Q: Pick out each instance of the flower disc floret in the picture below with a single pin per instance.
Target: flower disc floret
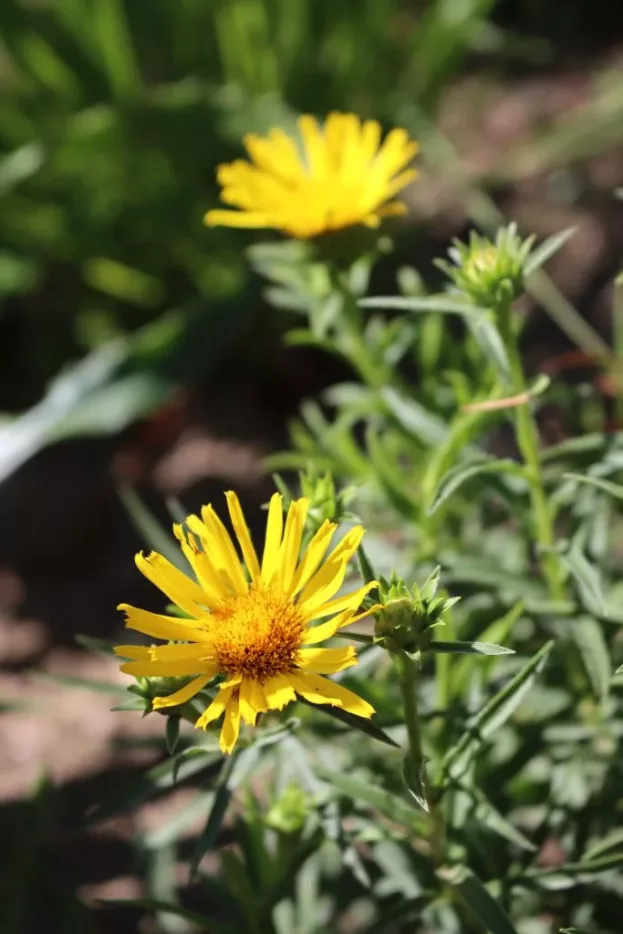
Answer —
(252, 622)
(342, 176)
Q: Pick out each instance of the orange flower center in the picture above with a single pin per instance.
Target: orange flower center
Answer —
(257, 635)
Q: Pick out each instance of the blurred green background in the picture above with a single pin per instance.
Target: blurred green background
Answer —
(126, 325)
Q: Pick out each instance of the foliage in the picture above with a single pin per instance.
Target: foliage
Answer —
(491, 664)
(484, 793)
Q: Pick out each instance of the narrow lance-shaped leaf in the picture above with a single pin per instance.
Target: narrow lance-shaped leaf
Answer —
(478, 899)
(349, 719)
(490, 342)
(587, 579)
(589, 637)
(612, 841)
(495, 713)
(458, 475)
(469, 648)
(538, 257)
(414, 418)
(414, 774)
(606, 486)
(392, 806)
(443, 303)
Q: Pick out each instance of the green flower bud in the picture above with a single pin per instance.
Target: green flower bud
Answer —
(289, 813)
(406, 617)
(489, 272)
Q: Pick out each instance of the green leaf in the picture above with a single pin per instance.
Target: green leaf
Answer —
(469, 648)
(491, 343)
(538, 257)
(566, 876)
(612, 841)
(154, 534)
(112, 29)
(500, 630)
(459, 474)
(485, 813)
(148, 785)
(588, 635)
(587, 579)
(236, 769)
(572, 448)
(414, 418)
(414, 775)
(100, 646)
(172, 733)
(97, 687)
(442, 303)
(349, 719)
(365, 567)
(133, 703)
(393, 807)
(606, 486)
(478, 899)
(180, 823)
(495, 713)
(390, 479)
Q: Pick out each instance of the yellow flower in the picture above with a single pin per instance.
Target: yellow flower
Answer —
(344, 177)
(254, 627)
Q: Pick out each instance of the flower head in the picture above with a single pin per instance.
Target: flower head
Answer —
(253, 627)
(344, 176)
(489, 271)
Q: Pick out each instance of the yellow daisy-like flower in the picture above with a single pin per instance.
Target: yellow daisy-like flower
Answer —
(255, 627)
(345, 176)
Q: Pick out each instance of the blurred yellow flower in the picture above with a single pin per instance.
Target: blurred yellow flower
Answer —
(344, 177)
(254, 628)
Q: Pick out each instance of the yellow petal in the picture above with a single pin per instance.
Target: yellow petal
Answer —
(180, 652)
(345, 549)
(314, 553)
(179, 588)
(221, 551)
(274, 528)
(252, 700)
(401, 181)
(184, 694)
(218, 705)
(347, 601)
(393, 209)
(249, 219)
(278, 691)
(315, 146)
(231, 725)
(326, 661)
(331, 576)
(170, 669)
(318, 690)
(324, 631)
(164, 627)
(213, 586)
(136, 652)
(276, 154)
(291, 545)
(242, 533)
(323, 585)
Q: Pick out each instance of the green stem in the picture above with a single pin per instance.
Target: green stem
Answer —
(407, 674)
(527, 437)
(408, 686)
(372, 370)
(617, 328)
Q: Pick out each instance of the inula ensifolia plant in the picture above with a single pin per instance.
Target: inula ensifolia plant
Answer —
(452, 763)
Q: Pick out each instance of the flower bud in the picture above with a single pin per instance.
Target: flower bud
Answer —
(406, 618)
(489, 272)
